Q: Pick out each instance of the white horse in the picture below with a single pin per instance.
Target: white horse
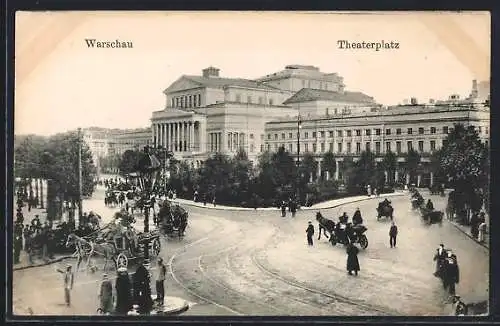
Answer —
(107, 250)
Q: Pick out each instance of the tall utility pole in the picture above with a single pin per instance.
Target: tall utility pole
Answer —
(299, 125)
(80, 181)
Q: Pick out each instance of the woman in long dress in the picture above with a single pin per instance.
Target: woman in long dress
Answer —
(352, 259)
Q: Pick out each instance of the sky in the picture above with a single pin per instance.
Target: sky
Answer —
(61, 84)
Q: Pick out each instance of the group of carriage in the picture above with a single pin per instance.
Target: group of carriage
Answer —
(428, 213)
(118, 242)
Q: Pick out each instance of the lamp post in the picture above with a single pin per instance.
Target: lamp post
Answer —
(148, 168)
(299, 126)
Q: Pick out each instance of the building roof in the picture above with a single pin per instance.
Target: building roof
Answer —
(218, 82)
(310, 94)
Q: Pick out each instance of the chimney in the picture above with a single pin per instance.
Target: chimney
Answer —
(210, 72)
(413, 101)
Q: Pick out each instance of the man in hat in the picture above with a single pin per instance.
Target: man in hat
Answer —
(160, 281)
(439, 257)
(123, 288)
(310, 233)
(393, 233)
(106, 294)
(68, 283)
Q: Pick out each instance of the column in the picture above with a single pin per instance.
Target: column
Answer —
(188, 134)
(155, 136)
(319, 170)
(337, 168)
(172, 136)
(181, 136)
(432, 179)
(161, 134)
(220, 142)
(407, 178)
(386, 175)
(396, 175)
(230, 141)
(419, 178)
(166, 137)
(176, 136)
(191, 137)
(327, 175)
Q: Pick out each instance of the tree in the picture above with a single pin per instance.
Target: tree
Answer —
(362, 173)
(412, 163)
(389, 164)
(129, 162)
(329, 164)
(464, 161)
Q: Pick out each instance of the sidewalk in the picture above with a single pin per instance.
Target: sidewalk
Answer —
(324, 205)
(466, 230)
(37, 262)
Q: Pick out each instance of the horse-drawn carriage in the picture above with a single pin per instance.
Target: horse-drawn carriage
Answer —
(172, 218)
(343, 233)
(118, 242)
(385, 209)
(431, 216)
(417, 200)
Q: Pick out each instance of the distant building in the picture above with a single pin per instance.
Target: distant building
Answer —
(129, 139)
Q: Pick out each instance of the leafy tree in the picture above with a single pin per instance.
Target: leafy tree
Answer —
(412, 163)
(389, 164)
(329, 164)
(308, 167)
(129, 162)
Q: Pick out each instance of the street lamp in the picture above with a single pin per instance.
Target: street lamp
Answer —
(299, 126)
(147, 171)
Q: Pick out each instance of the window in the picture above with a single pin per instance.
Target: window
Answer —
(182, 101)
(420, 131)
(420, 145)
(306, 147)
(290, 135)
(271, 101)
(349, 133)
(358, 148)
(275, 147)
(445, 142)
(398, 131)
(480, 129)
(377, 147)
(330, 134)
(331, 147)
(283, 136)
(290, 148)
(199, 99)
(173, 102)
(190, 100)
(387, 146)
(486, 143)
(445, 130)
(306, 135)
(261, 148)
(388, 131)
(314, 148)
(339, 133)
(268, 136)
(268, 147)
(251, 136)
(358, 132)
(322, 134)
(339, 147)
(238, 98)
(410, 131)
(348, 148)
(486, 130)
(433, 130)
(283, 145)
(433, 145)
(275, 136)
(314, 134)
(377, 132)
(398, 147)
(251, 148)
(249, 99)
(261, 100)
(322, 147)
(368, 132)
(367, 146)
(409, 145)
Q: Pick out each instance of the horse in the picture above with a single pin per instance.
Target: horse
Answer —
(107, 250)
(172, 217)
(324, 225)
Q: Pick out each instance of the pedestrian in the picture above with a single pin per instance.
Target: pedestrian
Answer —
(439, 258)
(375, 192)
(451, 273)
(369, 190)
(310, 233)
(352, 259)
(142, 289)
(293, 207)
(106, 295)
(123, 288)
(160, 281)
(18, 244)
(283, 209)
(393, 233)
(213, 201)
(68, 283)
(482, 231)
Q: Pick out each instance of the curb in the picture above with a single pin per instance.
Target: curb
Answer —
(236, 209)
(42, 264)
(180, 308)
(468, 235)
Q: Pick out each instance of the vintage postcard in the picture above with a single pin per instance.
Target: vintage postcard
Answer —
(251, 163)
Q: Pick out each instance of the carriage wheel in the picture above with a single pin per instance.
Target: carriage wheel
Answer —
(363, 241)
(122, 260)
(156, 247)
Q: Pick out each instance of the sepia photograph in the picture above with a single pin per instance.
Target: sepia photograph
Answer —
(191, 163)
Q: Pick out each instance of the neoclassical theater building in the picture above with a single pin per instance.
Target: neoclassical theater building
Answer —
(208, 114)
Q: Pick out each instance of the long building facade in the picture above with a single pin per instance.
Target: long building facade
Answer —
(209, 114)
(422, 128)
